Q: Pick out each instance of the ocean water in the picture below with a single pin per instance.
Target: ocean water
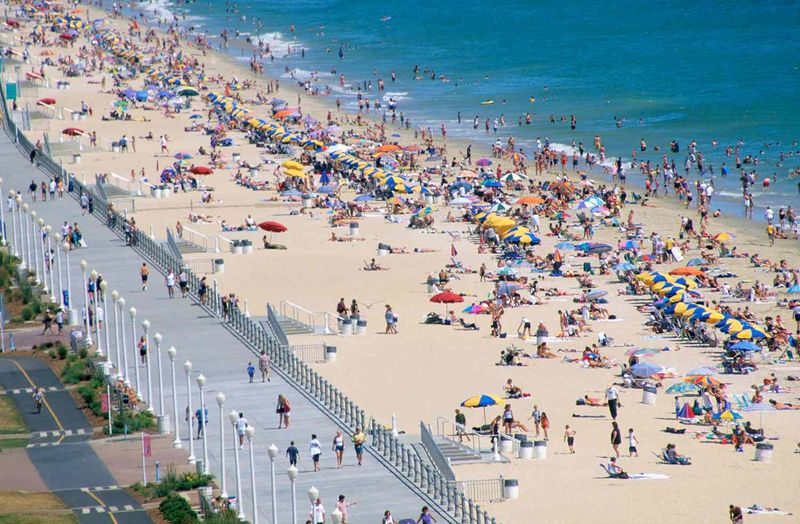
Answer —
(705, 71)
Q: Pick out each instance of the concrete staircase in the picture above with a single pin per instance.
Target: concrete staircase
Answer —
(113, 191)
(186, 247)
(293, 327)
(457, 453)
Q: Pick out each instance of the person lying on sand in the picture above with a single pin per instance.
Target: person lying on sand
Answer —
(335, 238)
(782, 405)
(590, 401)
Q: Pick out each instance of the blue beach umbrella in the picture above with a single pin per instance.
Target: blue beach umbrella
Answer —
(746, 345)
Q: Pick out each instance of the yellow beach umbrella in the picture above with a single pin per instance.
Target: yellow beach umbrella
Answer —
(292, 164)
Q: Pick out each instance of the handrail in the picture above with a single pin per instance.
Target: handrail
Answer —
(133, 187)
(438, 458)
(293, 311)
(447, 500)
(448, 429)
(277, 330)
(173, 246)
(194, 237)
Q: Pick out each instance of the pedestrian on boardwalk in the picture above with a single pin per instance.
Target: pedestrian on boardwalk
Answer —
(338, 448)
(142, 346)
(616, 438)
(251, 371)
(60, 320)
(202, 291)
(284, 411)
(359, 439)
(388, 518)
(292, 453)
(315, 450)
(183, 282)
(342, 506)
(144, 272)
(263, 365)
(425, 517)
(170, 281)
(569, 438)
(202, 419)
(241, 426)
(317, 512)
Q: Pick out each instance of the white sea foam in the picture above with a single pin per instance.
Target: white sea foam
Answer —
(397, 95)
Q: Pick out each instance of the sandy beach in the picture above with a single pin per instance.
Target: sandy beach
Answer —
(426, 370)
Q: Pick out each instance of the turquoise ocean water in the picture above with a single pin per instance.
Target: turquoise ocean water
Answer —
(704, 71)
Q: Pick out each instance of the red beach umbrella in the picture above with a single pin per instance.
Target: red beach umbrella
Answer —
(446, 297)
(272, 227)
(46, 101)
(201, 170)
(73, 131)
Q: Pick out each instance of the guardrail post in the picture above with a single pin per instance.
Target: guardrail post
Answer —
(436, 492)
(362, 418)
(477, 514)
(431, 483)
(403, 460)
(392, 449)
(471, 512)
(373, 431)
(444, 494)
(417, 471)
(463, 506)
(398, 455)
(451, 502)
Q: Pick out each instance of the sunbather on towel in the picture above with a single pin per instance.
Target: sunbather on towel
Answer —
(782, 405)
(594, 401)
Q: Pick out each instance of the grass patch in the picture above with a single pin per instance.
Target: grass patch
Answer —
(39, 518)
(12, 443)
(10, 418)
(23, 502)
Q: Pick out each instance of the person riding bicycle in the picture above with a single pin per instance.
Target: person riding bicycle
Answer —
(38, 399)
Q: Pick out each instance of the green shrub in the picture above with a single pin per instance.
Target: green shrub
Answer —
(62, 352)
(27, 313)
(52, 354)
(76, 370)
(83, 353)
(26, 292)
(176, 510)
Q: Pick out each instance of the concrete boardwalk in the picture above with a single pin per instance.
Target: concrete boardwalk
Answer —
(223, 360)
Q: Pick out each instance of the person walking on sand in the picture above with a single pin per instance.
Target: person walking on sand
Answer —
(391, 321)
(632, 443)
(735, 514)
(536, 415)
(263, 366)
(545, 425)
(612, 397)
(616, 438)
(569, 438)
(338, 448)
(144, 272)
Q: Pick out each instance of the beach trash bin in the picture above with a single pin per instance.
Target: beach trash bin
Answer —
(236, 157)
(219, 265)
(763, 452)
(330, 353)
(339, 321)
(157, 193)
(166, 191)
(649, 394)
(522, 437)
(236, 247)
(253, 171)
(429, 199)
(114, 145)
(347, 327)
(76, 116)
(510, 489)
(542, 336)
(540, 449)
(198, 467)
(353, 229)
(361, 327)
(306, 200)
(164, 426)
(247, 246)
(506, 445)
(525, 450)
(76, 158)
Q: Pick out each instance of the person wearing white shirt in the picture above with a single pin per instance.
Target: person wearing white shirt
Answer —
(315, 450)
(241, 425)
(317, 512)
(612, 397)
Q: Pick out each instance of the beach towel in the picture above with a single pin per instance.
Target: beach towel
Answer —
(757, 509)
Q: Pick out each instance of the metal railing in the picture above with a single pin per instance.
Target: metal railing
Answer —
(132, 187)
(202, 266)
(483, 490)
(173, 246)
(481, 444)
(309, 352)
(445, 498)
(275, 326)
(194, 237)
(321, 322)
(437, 457)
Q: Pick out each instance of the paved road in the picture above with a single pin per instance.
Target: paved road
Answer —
(223, 359)
(60, 448)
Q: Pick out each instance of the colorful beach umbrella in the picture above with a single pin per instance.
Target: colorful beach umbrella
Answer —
(682, 388)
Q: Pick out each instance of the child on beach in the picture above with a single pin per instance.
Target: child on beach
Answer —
(632, 442)
(569, 438)
(251, 371)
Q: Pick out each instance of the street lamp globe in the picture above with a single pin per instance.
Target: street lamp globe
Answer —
(157, 337)
(292, 473)
(233, 416)
(313, 494)
(94, 274)
(272, 451)
(250, 431)
(103, 285)
(84, 264)
(172, 353)
(132, 312)
(201, 380)
(220, 399)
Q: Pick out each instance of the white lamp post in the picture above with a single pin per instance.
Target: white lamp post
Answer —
(93, 276)
(157, 338)
(23, 252)
(13, 195)
(2, 214)
(336, 516)
(49, 265)
(313, 494)
(34, 258)
(70, 300)
(187, 367)
(58, 269)
(146, 328)
(121, 310)
(221, 404)
(86, 304)
(272, 451)
(176, 442)
(117, 354)
(251, 432)
(292, 473)
(132, 314)
(203, 418)
(234, 418)
(106, 319)
(40, 242)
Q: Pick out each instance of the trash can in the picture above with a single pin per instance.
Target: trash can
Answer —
(198, 466)
(542, 336)
(330, 353)
(236, 157)
(763, 452)
(166, 191)
(306, 199)
(339, 321)
(164, 427)
(432, 281)
(72, 317)
(540, 449)
(429, 199)
(76, 116)
(510, 489)
(219, 265)
(649, 394)
(525, 450)
(353, 229)
(253, 171)
(506, 445)
(114, 145)
(76, 158)
(361, 327)
(157, 193)
(236, 247)
(247, 246)
(347, 327)
(522, 437)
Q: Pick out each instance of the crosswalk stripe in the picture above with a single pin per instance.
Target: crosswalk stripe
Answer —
(81, 431)
(112, 509)
(43, 434)
(128, 507)
(85, 511)
(15, 391)
(68, 432)
(52, 388)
